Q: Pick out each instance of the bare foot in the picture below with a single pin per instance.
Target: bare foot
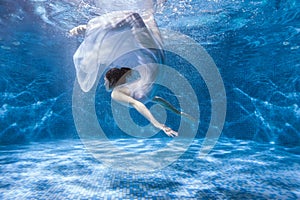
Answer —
(77, 30)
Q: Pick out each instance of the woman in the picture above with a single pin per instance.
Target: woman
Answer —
(123, 39)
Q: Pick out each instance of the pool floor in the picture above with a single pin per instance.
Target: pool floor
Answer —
(235, 169)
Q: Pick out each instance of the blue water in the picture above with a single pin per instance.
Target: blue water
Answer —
(235, 169)
(256, 47)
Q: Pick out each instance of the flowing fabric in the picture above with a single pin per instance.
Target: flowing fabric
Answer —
(139, 6)
(120, 39)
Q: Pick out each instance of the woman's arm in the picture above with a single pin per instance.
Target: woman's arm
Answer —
(121, 95)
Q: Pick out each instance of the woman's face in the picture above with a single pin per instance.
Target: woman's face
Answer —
(106, 84)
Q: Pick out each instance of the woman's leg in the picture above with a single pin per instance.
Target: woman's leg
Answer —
(170, 107)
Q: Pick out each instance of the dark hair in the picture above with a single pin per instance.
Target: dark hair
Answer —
(117, 76)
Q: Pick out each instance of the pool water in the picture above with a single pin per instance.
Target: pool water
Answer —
(255, 45)
(235, 169)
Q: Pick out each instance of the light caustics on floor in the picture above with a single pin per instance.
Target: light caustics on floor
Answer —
(233, 170)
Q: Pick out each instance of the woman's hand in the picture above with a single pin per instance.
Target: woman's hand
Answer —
(169, 131)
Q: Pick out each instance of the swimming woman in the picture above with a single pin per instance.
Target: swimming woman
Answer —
(132, 83)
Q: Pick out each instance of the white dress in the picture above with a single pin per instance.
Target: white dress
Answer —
(120, 39)
(139, 6)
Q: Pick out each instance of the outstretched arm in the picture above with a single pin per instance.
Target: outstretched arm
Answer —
(121, 95)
